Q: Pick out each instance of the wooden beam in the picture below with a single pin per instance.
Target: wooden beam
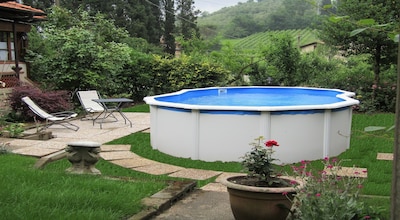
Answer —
(7, 26)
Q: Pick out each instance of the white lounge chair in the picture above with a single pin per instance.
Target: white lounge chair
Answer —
(91, 107)
(59, 118)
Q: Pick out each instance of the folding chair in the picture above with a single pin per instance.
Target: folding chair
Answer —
(91, 107)
(59, 118)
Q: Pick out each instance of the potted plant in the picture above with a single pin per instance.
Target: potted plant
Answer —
(262, 193)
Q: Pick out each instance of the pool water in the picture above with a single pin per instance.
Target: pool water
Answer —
(256, 97)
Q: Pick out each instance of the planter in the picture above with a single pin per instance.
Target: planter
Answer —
(5, 134)
(43, 135)
(266, 203)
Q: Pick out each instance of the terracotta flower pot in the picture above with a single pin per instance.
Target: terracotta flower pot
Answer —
(266, 203)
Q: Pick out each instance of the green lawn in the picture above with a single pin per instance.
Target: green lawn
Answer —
(51, 193)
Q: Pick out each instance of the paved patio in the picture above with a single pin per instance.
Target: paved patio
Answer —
(117, 154)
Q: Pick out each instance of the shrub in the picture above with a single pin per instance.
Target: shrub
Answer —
(50, 101)
(329, 195)
(171, 75)
(14, 129)
(375, 98)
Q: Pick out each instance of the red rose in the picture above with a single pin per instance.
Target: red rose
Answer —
(271, 143)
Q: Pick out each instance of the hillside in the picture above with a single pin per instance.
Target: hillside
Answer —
(245, 19)
(221, 21)
(255, 41)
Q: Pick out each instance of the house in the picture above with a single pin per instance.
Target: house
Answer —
(310, 47)
(15, 23)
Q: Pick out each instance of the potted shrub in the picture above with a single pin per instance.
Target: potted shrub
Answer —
(262, 193)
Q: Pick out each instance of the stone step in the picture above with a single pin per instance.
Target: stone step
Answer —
(384, 156)
(347, 171)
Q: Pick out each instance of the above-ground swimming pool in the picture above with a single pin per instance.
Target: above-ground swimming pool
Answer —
(217, 124)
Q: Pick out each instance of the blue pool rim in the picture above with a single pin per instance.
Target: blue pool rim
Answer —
(343, 96)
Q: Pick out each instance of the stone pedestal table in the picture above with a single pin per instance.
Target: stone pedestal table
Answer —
(83, 156)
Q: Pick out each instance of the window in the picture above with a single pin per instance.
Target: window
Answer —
(7, 51)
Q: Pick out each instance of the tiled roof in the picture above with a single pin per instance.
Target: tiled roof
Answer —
(14, 10)
(18, 6)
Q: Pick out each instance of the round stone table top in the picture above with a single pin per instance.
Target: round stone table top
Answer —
(90, 144)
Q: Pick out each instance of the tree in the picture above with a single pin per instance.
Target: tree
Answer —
(187, 19)
(82, 51)
(282, 59)
(42, 4)
(293, 14)
(141, 18)
(336, 31)
(153, 23)
(169, 26)
(243, 25)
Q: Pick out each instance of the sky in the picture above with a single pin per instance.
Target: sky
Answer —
(214, 5)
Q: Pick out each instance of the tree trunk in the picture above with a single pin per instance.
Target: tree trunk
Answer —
(395, 197)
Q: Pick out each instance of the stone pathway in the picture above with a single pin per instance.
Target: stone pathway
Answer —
(117, 154)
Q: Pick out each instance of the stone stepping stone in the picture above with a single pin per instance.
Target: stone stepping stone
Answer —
(214, 187)
(347, 171)
(158, 168)
(35, 151)
(118, 155)
(384, 156)
(117, 147)
(195, 174)
(131, 163)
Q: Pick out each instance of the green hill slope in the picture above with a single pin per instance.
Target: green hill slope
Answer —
(300, 37)
(222, 21)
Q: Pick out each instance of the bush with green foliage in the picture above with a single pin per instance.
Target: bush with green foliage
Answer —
(355, 74)
(14, 129)
(81, 51)
(185, 72)
(50, 101)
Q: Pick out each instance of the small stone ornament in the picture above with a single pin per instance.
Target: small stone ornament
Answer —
(83, 156)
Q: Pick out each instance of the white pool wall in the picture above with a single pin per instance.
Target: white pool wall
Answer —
(189, 131)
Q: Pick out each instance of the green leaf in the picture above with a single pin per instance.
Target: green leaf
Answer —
(336, 19)
(357, 31)
(381, 25)
(368, 21)
(329, 6)
(373, 128)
